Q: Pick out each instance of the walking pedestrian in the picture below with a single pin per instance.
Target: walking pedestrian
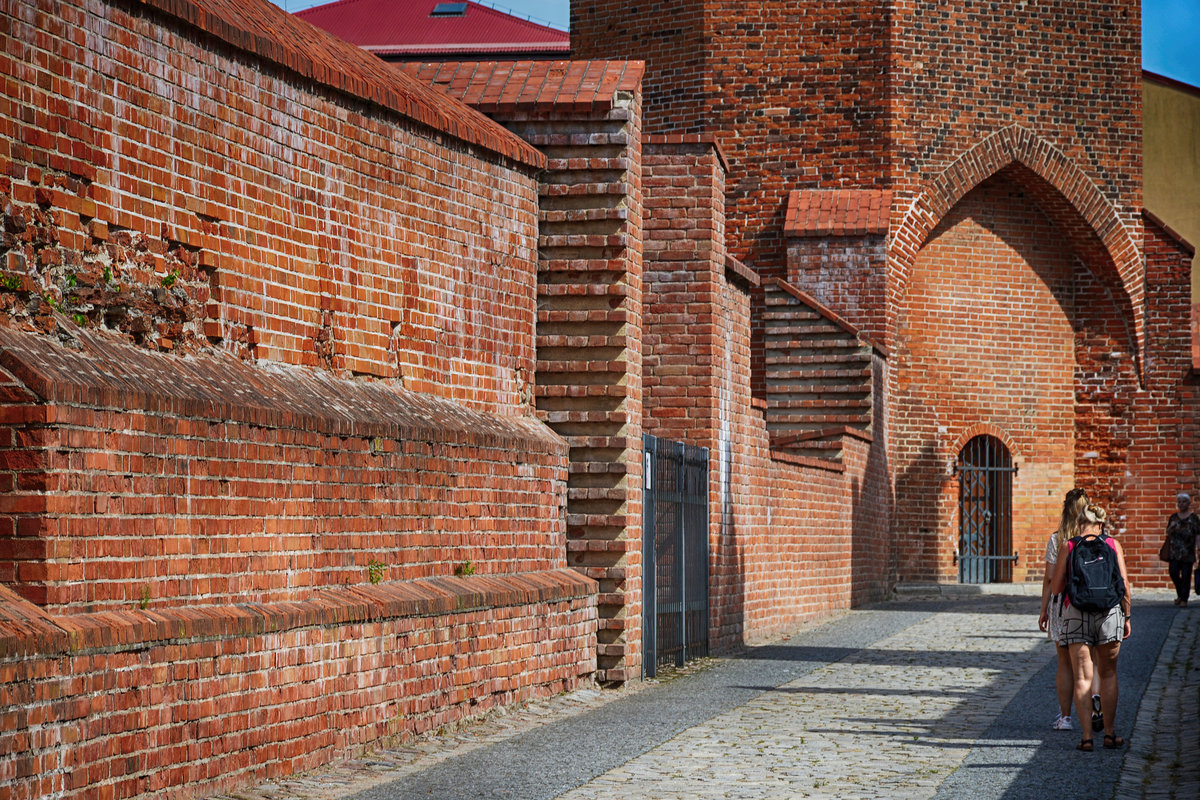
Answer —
(1097, 633)
(1050, 619)
(1183, 529)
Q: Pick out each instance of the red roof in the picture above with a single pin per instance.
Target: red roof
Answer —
(837, 212)
(499, 86)
(411, 29)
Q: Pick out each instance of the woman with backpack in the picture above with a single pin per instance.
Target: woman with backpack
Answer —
(1050, 619)
(1096, 616)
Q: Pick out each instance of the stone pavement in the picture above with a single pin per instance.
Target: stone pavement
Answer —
(946, 697)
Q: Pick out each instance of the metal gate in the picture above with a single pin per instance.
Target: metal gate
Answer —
(985, 471)
(674, 553)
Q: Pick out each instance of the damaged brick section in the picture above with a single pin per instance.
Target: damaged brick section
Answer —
(65, 270)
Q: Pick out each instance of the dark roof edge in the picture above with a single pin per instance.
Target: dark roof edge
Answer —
(1163, 80)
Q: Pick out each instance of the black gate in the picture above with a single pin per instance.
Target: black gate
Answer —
(674, 554)
(985, 471)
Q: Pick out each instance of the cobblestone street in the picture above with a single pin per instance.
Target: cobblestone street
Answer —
(918, 698)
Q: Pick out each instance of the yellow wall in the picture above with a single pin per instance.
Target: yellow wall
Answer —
(1171, 160)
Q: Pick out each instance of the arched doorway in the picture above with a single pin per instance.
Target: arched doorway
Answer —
(985, 551)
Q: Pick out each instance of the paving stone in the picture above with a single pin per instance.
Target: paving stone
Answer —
(936, 706)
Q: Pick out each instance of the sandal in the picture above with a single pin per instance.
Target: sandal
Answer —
(1113, 742)
(1087, 746)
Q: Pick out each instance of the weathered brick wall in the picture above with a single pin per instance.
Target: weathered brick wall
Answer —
(675, 44)
(186, 194)
(278, 220)
(586, 118)
(847, 273)
(184, 703)
(1069, 70)
(218, 481)
(1164, 417)
(269, 315)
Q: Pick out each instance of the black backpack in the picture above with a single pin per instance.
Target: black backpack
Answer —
(1094, 580)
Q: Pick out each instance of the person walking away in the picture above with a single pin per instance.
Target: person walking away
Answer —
(1050, 619)
(1096, 619)
(1183, 529)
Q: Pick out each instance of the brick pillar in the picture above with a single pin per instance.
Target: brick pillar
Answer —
(585, 116)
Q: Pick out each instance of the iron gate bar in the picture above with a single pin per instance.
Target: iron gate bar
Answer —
(985, 472)
(674, 553)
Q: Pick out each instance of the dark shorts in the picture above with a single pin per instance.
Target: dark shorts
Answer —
(1092, 628)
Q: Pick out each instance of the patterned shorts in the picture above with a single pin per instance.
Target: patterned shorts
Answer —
(1092, 628)
(1054, 626)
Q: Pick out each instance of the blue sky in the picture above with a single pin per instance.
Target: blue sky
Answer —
(1170, 30)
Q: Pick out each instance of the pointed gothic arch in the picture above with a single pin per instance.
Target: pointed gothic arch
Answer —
(1088, 217)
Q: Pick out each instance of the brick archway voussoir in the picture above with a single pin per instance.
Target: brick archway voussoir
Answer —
(1005, 147)
(984, 429)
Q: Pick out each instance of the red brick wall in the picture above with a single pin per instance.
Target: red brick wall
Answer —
(986, 339)
(182, 703)
(586, 118)
(788, 541)
(846, 273)
(221, 482)
(1164, 426)
(269, 315)
(671, 36)
(1068, 70)
(188, 196)
(277, 227)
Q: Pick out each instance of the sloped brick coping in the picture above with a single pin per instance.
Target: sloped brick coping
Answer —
(272, 34)
(1171, 233)
(203, 700)
(102, 372)
(25, 630)
(829, 314)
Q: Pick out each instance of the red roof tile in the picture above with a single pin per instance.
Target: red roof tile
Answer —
(410, 29)
(837, 212)
(493, 86)
(261, 28)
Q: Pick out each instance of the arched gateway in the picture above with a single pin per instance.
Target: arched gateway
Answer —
(985, 547)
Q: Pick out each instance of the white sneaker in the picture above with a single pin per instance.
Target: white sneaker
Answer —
(1061, 723)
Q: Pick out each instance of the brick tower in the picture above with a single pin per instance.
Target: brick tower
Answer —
(1008, 281)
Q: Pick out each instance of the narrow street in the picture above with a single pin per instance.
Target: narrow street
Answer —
(921, 698)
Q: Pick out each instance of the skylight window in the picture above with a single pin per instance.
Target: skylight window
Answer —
(449, 10)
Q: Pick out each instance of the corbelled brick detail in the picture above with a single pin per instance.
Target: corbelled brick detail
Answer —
(586, 119)
(818, 371)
